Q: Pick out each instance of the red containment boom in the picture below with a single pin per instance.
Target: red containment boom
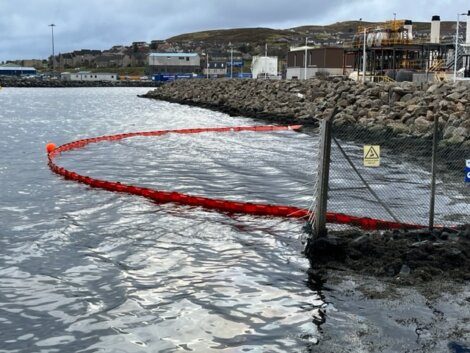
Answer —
(208, 203)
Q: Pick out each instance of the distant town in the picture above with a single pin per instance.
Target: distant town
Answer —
(257, 52)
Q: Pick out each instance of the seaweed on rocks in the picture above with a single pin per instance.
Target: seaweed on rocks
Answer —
(407, 257)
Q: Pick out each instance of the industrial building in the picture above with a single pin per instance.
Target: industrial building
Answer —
(174, 63)
(88, 76)
(264, 67)
(216, 69)
(15, 70)
(326, 60)
(391, 53)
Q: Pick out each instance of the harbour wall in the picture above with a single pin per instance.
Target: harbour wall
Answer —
(404, 109)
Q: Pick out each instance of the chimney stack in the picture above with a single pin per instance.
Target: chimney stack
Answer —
(409, 27)
(435, 29)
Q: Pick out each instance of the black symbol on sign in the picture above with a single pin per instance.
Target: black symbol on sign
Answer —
(372, 154)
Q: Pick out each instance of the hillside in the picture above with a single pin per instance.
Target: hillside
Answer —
(235, 35)
(336, 31)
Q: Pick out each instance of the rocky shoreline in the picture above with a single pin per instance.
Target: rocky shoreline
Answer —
(406, 257)
(403, 109)
(46, 83)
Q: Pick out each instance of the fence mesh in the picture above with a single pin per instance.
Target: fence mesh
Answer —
(387, 175)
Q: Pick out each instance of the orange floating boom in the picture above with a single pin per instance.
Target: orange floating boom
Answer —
(208, 203)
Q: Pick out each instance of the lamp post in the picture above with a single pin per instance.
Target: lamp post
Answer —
(305, 58)
(364, 57)
(207, 64)
(456, 50)
(265, 61)
(231, 59)
(52, 30)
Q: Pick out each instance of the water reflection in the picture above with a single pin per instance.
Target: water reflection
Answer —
(88, 270)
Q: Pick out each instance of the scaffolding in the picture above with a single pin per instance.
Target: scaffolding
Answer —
(391, 48)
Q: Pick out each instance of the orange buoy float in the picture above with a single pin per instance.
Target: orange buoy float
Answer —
(50, 147)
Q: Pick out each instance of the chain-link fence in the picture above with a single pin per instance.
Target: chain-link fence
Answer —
(379, 173)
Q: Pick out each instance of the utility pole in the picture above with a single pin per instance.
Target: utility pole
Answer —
(305, 58)
(53, 53)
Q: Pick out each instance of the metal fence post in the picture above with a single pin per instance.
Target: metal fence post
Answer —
(323, 177)
(432, 202)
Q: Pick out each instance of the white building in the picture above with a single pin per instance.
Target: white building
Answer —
(174, 63)
(216, 69)
(88, 76)
(264, 66)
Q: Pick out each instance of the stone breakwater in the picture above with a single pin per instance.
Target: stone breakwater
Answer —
(35, 83)
(405, 109)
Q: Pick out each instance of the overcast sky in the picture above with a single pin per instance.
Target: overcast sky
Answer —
(100, 24)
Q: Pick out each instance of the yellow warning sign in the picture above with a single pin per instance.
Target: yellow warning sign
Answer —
(372, 156)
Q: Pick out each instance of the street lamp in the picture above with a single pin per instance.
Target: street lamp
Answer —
(364, 56)
(305, 58)
(231, 59)
(456, 50)
(52, 30)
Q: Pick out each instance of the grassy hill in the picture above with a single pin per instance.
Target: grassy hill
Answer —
(235, 35)
(341, 30)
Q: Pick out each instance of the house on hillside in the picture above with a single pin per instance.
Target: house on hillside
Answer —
(113, 60)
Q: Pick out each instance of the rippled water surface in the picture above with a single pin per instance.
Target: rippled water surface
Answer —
(87, 270)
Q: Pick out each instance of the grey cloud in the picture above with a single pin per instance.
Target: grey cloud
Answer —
(99, 24)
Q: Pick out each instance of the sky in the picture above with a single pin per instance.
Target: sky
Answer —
(100, 24)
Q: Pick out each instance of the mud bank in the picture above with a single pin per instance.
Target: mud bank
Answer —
(405, 257)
